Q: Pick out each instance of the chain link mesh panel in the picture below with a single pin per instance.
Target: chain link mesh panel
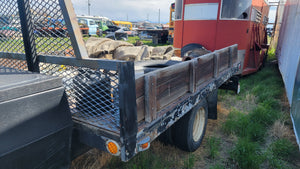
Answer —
(51, 35)
(92, 94)
(10, 64)
(11, 39)
(50, 30)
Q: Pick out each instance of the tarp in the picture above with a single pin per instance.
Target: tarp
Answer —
(121, 50)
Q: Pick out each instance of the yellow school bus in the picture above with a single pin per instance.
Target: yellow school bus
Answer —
(123, 24)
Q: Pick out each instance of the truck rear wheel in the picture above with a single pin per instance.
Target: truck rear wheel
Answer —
(189, 131)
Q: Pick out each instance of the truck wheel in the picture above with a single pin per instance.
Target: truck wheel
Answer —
(193, 50)
(166, 137)
(189, 131)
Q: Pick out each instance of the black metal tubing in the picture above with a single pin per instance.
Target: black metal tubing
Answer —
(70, 61)
(128, 112)
(28, 36)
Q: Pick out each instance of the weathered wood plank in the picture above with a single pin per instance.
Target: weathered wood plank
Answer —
(175, 93)
(216, 67)
(171, 72)
(170, 91)
(234, 53)
(150, 97)
(204, 69)
(140, 86)
(192, 73)
(140, 106)
(223, 60)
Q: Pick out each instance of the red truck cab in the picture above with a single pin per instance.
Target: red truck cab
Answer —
(215, 24)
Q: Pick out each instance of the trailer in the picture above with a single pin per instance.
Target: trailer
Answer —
(116, 106)
(288, 57)
(214, 24)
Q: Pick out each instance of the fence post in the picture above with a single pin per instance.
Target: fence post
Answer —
(28, 36)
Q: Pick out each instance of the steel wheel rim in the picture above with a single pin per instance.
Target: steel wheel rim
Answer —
(198, 126)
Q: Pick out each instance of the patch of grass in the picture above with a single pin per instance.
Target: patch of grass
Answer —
(156, 157)
(271, 54)
(241, 125)
(145, 42)
(264, 115)
(214, 147)
(279, 153)
(144, 160)
(283, 149)
(246, 154)
(231, 124)
(217, 166)
(189, 162)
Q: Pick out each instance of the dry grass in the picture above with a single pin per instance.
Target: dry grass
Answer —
(280, 130)
(93, 159)
(244, 103)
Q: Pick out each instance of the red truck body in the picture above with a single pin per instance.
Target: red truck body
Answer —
(215, 24)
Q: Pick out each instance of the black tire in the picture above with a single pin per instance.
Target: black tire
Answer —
(166, 137)
(184, 133)
(193, 49)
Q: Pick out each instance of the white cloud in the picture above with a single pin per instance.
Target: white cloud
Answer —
(120, 9)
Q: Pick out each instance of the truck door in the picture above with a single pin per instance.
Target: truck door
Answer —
(200, 22)
(178, 32)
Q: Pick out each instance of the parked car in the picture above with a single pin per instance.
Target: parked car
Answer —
(93, 27)
(128, 31)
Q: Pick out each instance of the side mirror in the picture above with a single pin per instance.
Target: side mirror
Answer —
(245, 15)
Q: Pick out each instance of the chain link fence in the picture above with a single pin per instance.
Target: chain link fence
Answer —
(93, 91)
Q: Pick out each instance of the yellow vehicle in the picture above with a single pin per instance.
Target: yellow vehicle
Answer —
(123, 24)
(171, 23)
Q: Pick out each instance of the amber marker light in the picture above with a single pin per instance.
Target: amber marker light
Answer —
(145, 146)
(113, 147)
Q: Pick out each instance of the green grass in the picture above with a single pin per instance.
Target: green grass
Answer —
(145, 160)
(189, 162)
(134, 39)
(43, 45)
(280, 153)
(251, 128)
(213, 147)
(283, 149)
(217, 166)
(271, 54)
(246, 154)
(242, 125)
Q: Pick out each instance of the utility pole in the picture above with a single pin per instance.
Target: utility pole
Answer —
(159, 16)
(89, 5)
